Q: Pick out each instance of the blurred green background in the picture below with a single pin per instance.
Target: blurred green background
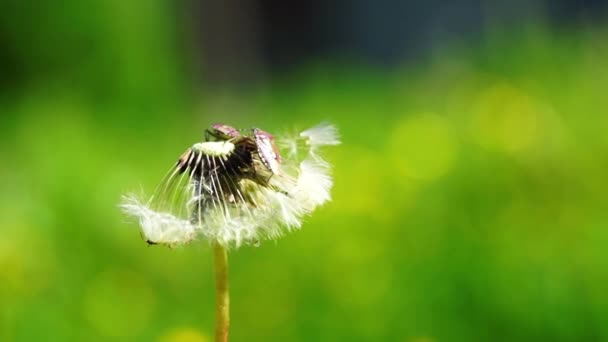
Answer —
(469, 202)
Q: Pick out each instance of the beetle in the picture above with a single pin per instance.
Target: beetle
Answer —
(267, 150)
(247, 142)
(220, 131)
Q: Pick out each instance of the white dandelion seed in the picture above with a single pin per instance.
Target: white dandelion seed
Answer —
(321, 135)
(158, 227)
(238, 190)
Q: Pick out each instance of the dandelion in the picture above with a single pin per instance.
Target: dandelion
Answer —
(235, 189)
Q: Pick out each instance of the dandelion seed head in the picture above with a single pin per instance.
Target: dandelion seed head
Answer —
(238, 191)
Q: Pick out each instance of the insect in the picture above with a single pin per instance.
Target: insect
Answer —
(267, 150)
(221, 132)
(229, 155)
(264, 143)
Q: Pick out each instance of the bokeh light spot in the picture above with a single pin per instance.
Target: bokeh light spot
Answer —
(360, 267)
(184, 334)
(423, 147)
(505, 118)
(360, 168)
(119, 303)
(27, 262)
(421, 339)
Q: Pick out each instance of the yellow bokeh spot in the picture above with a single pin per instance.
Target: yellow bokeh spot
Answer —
(423, 147)
(119, 303)
(184, 335)
(421, 339)
(503, 117)
(359, 264)
(360, 168)
(27, 262)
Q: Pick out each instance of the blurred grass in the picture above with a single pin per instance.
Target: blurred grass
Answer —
(470, 200)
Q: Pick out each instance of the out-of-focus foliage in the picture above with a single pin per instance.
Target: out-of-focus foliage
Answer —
(470, 199)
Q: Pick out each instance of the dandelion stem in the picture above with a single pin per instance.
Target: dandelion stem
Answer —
(222, 299)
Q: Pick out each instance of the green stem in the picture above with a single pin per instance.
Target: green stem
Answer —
(222, 294)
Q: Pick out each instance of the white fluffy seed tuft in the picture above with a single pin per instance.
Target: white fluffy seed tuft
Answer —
(214, 148)
(159, 228)
(323, 134)
(185, 207)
